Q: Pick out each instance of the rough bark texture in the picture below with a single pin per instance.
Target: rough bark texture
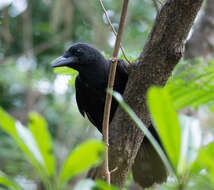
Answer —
(161, 53)
(201, 42)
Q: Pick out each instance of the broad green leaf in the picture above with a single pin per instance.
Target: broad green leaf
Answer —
(23, 138)
(166, 121)
(65, 71)
(89, 184)
(38, 127)
(191, 141)
(104, 186)
(144, 129)
(10, 184)
(82, 158)
(189, 94)
(7, 123)
(192, 86)
(28, 143)
(205, 160)
(71, 82)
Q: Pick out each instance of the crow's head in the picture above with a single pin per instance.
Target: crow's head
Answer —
(81, 57)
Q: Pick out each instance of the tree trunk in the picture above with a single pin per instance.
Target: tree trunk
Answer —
(162, 52)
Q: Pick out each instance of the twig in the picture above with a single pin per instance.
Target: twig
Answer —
(155, 5)
(108, 101)
(160, 2)
(113, 29)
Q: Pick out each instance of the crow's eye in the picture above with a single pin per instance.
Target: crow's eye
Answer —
(77, 52)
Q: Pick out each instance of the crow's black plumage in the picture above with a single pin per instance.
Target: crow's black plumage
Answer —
(91, 84)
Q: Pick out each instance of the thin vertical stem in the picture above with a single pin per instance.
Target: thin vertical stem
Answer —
(111, 79)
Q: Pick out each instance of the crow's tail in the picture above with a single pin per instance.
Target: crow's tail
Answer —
(148, 168)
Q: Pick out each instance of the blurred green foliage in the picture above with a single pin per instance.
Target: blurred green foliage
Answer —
(36, 143)
(32, 35)
(192, 161)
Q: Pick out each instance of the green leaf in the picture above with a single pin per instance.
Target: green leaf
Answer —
(28, 144)
(89, 184)
(205, 160)
(192, 86)
(71, 82)
(191, 141)
(38, 127)
(166, 121)
(82, 158)
(10, 184)
(191, 94)
(7, 123)
(65, 71)
(24, 139)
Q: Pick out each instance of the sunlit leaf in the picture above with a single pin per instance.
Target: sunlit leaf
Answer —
(189, 94)
(28, 140)
(205, 160)
(65, 71)
(166, 121)
(82, 158)
(192, 86)
(23, 138)
(10, 184)
(7, 123)
(191, 141)
(101, 185)
(71, 82)
(38, 127)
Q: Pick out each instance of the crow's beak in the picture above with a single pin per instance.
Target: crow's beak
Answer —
(63, 61)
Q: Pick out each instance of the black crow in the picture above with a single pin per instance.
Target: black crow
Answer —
(91, 84)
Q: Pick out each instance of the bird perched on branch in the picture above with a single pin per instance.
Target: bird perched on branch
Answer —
(91, 84)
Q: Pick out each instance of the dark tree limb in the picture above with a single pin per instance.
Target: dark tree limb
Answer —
(201, 43)
(162, 52)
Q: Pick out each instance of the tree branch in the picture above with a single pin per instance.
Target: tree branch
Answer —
(105, 129)
(155, 5)
(5, 32)
(113, 30)
(162, 52)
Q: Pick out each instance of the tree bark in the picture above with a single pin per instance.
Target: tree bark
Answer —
(5, 31)
(201, 43)
(162, 52)
(27, 37)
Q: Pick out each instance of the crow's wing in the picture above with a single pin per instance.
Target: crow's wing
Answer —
(90, 101)
(121, 76)
(80, 91)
